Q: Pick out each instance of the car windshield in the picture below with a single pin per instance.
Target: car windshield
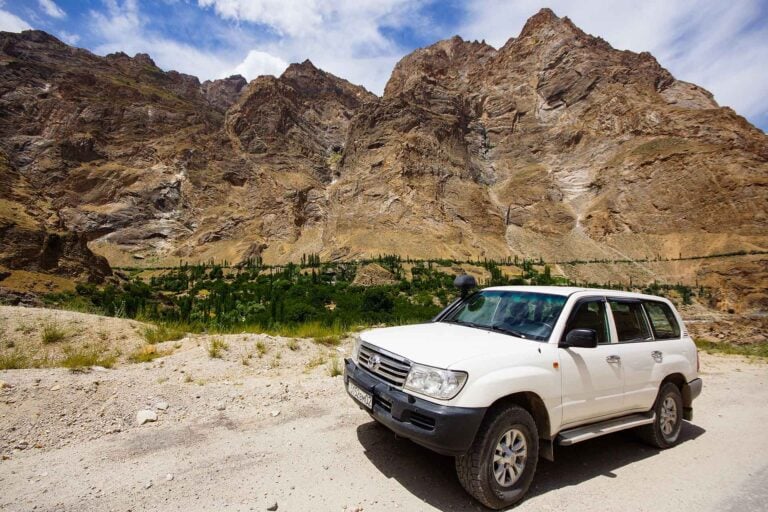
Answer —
(526, 315)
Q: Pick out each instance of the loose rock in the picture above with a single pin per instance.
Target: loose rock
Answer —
(161, 406)
(145, 416)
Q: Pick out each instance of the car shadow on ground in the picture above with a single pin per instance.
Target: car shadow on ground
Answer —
(432, 478)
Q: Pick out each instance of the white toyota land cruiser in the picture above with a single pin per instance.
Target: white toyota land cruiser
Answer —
(502, 375)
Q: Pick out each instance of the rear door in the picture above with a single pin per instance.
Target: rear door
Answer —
(638, 350)
(592, 378)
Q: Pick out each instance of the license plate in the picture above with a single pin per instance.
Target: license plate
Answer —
(360, 395)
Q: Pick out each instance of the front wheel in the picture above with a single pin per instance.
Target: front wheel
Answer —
(499, 466)
(664, 432)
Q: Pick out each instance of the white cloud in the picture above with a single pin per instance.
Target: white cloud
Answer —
(708, 42)
(12, 23)
(123, 28)
(51, 9)
(258, 63)
(344, 37)
(69, 38)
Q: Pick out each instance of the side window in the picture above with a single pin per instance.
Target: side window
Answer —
(590, 315)
(663, 321)
(630, 321)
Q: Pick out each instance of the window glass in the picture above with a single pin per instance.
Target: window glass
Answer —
(590, 315)
(663, 321)
(522, 314)
(630, 321)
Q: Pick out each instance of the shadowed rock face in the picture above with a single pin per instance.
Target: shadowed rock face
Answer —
(554, 145)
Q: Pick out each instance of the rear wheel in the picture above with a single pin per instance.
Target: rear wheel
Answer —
(499, 467)
(664, 432)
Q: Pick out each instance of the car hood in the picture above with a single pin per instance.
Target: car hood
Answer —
(443, 345)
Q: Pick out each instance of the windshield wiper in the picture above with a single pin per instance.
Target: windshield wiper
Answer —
(494, 328)
(506, 330)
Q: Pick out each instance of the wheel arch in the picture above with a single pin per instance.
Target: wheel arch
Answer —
(679, 380)
(532, 403)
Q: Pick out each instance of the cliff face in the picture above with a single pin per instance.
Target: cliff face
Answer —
(555, 145)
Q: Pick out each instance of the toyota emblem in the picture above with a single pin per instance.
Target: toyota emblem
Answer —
(374, 362)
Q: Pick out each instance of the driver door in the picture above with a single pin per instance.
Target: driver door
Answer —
(592, 378)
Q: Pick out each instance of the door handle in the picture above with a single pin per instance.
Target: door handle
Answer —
(613, 359)
(657, 356)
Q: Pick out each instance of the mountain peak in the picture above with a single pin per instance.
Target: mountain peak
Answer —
(544, 20)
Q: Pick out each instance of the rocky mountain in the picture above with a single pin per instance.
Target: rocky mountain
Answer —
(554, 145)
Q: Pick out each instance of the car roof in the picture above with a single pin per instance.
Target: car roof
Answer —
(570, 290)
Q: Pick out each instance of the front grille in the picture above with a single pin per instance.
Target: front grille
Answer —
(390, 368)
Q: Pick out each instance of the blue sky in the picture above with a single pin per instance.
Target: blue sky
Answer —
(720, 45)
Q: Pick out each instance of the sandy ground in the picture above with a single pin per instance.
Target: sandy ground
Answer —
(282, 430)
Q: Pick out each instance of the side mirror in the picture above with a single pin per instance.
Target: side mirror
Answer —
(583, 338)
(464, 282)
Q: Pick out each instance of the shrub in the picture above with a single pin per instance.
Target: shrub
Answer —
(216, 347)
(293, 345)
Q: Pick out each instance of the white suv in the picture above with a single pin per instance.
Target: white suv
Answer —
(502, 375)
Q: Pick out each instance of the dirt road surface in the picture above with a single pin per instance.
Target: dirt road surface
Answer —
(280, 430)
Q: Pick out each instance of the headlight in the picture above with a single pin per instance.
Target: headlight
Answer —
(434, 382)
(356, 348)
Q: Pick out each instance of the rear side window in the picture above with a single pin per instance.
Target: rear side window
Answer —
(630, 321)
(663, 321)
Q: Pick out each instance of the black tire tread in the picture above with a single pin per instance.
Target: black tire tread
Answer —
(651, 434)
(468, 466)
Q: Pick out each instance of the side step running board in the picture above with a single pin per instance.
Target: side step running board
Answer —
(579, 434)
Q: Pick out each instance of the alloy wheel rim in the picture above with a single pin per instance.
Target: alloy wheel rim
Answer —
(509, 457)
(668, 416)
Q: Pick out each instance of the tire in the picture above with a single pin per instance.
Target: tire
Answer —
(664, 432)
(499, 466)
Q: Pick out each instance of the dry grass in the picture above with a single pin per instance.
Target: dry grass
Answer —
(147, 353)
(53, 332)
(319, 360)
(332, 340)
(216, 348)
(293, 344)
(163, 333)
(261, 348)
(79, 357)
(334, 368)
(723, 347)
(13, 360)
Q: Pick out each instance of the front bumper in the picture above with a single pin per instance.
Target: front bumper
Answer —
(444, 429)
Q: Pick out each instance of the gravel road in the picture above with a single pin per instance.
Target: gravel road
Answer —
(284, 432)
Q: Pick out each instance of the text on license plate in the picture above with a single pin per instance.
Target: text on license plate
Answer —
(360, 395)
